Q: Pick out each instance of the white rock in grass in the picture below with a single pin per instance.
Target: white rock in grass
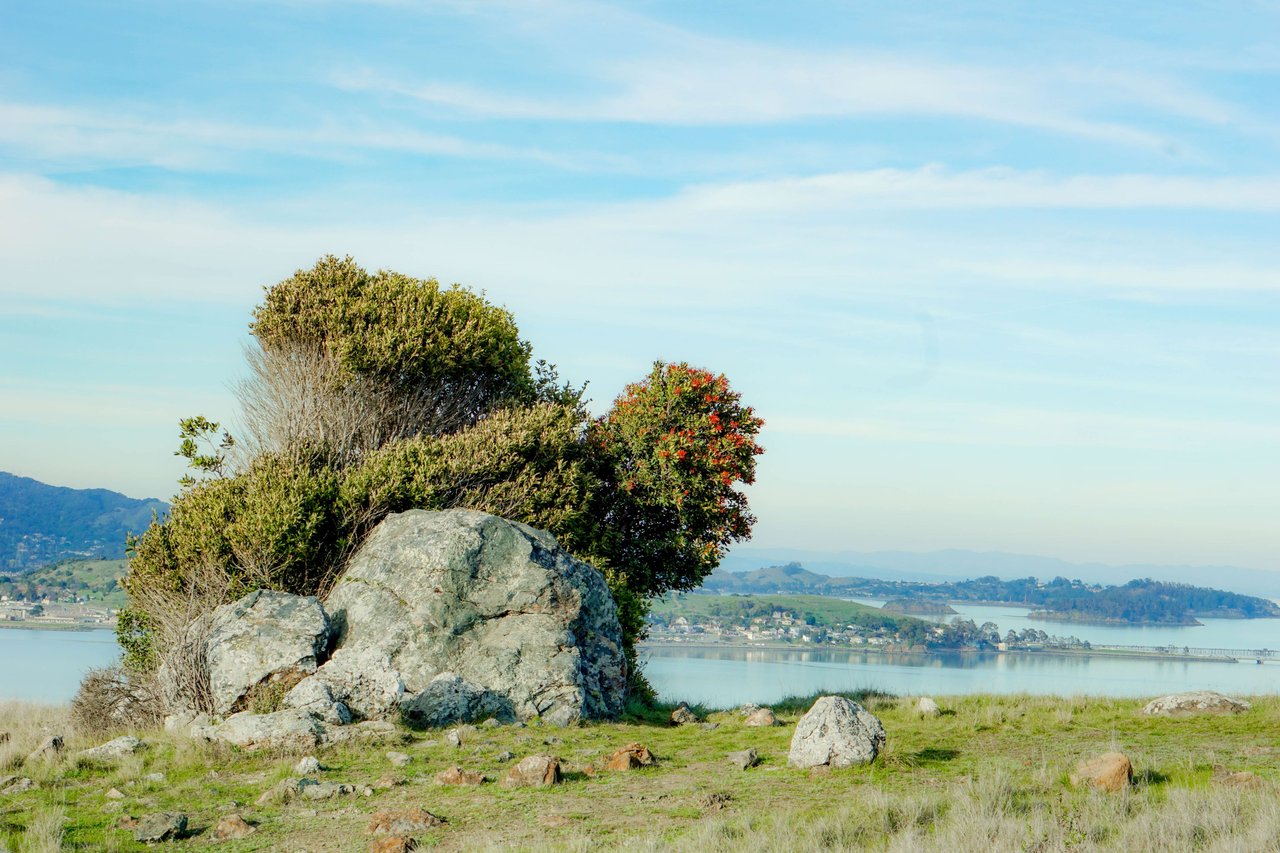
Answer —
(837, 733)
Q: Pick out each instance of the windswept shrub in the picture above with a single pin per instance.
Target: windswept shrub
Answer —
(115, 698)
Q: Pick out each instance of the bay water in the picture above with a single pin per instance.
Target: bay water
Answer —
(46, 666)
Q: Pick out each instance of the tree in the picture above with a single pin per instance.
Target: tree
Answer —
(373, 394)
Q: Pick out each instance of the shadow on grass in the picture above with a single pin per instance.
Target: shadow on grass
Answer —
(1148, 777)
(934, 754)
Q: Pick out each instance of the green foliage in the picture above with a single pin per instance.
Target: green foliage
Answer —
(398, 329)
(646, 493)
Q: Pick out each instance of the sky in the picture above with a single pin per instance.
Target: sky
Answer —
(998, 275)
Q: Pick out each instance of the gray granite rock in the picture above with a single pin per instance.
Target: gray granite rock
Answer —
(518, 628)
(111, 751)
(282, 731)
(1195, 702)
(163, 826)
(837, 733)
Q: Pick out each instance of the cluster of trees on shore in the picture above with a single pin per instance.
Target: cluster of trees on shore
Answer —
(1142, 601)
(373, 393)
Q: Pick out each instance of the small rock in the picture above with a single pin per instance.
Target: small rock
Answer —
(161, 826)
(552, 741)
(155, 778)
(1236, 779)
(505, 756)
(398, 759)
(457, 776)
(682, 715)
(308, 766)
(232, 827)
(366, 791)
(112, 750)
(16, 785)
(761, 717)
(393, 844)
(453, 737)
(748, 709)
(308, 813)
(1195, 702)
(403, 822)
(326, 791)
(1111, 771)
(387, 782)
(114, 794)
(708, 727)
(836, 732)
(492, 723)
(534, 770)
(127, 822)
(286, 790)
(744, 759)
(49, 748)
(630, 757)
(715, 801)
(926, 707)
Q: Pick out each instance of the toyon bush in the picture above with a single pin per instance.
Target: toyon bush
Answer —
(370, 394)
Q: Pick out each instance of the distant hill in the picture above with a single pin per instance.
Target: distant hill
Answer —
(953, 564)
(1139, 602)
(42, 524)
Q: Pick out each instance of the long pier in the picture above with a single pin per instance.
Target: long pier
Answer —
(1245, 655)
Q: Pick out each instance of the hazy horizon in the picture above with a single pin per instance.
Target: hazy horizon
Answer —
(998, 279)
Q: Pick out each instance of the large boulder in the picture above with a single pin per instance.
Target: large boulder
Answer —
(837, 733)
(290, 731)
(265, 638)
(1195, 702)
(1111, 771)
(460, 615)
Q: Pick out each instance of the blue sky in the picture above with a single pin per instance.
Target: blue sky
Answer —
(998, 275)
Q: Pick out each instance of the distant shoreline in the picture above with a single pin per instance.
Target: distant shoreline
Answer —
(33, 625)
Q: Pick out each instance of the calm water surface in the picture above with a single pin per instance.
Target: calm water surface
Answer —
(46, 666)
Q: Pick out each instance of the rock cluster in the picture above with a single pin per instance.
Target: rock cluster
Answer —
(441, 617)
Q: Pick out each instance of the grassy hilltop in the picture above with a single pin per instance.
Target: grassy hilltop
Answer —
(989, 774)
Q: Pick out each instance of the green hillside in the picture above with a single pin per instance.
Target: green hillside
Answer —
(94, 581)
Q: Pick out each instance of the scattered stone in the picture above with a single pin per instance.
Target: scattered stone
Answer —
(370, 731)
(505, 756)
(492, 723)
(232, 827)
(326, 791)
(715, 801)
(282, 731)
(708, 727)
(926, 707)
(453, 737)
(1195, 702)
(744, 759)
(761, 717)
(111, 751)
(630, 757)
(552, 741)
(49, 748)
(534, 770)
(286, 790)
(386, 782)
(155, 778)
(161, 826)
(114, 794)
(393, 844)
(1236, 779)
(836, 732)
(1111, 771)
(398, 759)
(457, 776)
(682, 715)
(403, 822)
(308, 766)
(16, 785)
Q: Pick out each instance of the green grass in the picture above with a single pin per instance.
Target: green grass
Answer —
(988, 774)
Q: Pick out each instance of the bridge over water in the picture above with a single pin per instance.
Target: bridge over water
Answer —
(1259, 655)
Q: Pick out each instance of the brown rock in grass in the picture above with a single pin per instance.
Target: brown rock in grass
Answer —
(393, 844)
(1236, 779)
(1111, 771)
(533, 771)
(403, 822)
(232, 827)
(630, 757)
(457, 776)
(761, 717)
(682, 715)
(50, 747)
